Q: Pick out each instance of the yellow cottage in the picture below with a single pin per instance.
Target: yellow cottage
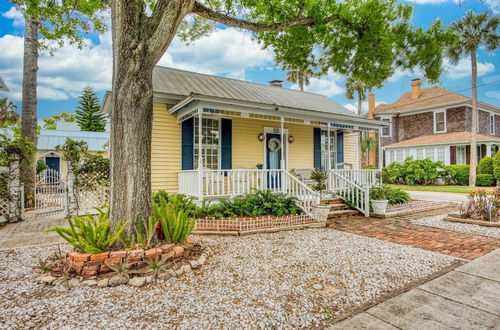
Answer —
(252, 136)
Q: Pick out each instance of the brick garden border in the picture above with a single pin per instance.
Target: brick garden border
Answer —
(93, 264)
(415, 206)
(253, 225)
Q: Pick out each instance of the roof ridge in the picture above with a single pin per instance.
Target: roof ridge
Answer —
(239, 80)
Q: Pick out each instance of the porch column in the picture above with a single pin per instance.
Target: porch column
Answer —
(329, 148)
(282, 155)
(488, 149)
(335, 147)
(200, 160)
(380, 152)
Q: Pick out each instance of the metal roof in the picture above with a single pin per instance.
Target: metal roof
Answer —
(184, 83)
(49, 139)
(3, 86)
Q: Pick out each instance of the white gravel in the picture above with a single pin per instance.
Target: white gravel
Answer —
(264, 281)
(437, 221)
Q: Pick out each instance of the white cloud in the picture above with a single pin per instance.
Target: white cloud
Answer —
(62, 76)
(227, 52)
(364, 107)
(326, 85)
(493, 4)
(463, 68)
(15, 15)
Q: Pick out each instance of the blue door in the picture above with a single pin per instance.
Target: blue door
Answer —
(273, 160)
(53, 163)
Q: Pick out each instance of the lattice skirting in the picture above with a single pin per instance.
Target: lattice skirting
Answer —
(239, 226)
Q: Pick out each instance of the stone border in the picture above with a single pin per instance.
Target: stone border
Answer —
(87, 264)
(450, 218)
(254, 225)
(414, 209)
(117, 280)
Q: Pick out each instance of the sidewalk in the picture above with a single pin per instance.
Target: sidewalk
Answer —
(465, 298)
(438, 196)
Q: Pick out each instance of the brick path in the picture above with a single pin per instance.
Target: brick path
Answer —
(399, 230)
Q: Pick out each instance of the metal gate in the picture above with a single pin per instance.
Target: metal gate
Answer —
(50, 193)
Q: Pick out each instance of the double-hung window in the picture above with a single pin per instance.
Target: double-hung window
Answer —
(210, 143)
(492, 123)
(461, 160)
(324, 149)
(387, 130)
(440, 121)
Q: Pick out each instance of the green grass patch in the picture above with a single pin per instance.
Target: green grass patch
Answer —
(448, 189)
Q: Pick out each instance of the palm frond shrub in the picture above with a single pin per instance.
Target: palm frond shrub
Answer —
(176, 222)
(90, 234)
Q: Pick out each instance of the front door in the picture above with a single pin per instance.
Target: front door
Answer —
(273, 160)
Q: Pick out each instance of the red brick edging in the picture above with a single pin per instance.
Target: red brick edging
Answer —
(93, 264)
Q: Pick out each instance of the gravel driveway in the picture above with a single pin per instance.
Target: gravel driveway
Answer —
(290, 279)
(438, 222)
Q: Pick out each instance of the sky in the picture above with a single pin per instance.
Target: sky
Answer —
(225, 52)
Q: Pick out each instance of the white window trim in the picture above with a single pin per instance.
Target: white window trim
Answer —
(385, 118)
(491, 120)
(435, 123)
(195, 147)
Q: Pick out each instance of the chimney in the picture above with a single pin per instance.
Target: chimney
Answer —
(415, 88)
(276, 83)
(371, 106)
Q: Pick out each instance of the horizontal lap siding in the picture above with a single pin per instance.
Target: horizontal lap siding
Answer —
(165, 150)
(350, 147)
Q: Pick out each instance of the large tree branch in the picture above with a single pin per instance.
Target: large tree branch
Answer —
(210, 14)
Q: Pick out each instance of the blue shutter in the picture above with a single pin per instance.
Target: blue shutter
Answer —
(340, 147)
(317, 147)
(188, 144)
(226, 144)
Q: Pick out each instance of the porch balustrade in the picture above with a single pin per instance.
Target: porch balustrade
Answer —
(372, 178)
(354, 194)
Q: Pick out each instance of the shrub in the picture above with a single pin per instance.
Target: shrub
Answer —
(90, 234)
(175, 222)
(481, 205)
(320, 178)
(371, 167)
(393, 173)
(461, 174)
(40, 166)
(485, 166)
(420, 171)
(177, 201)
(496, 166)
(485, 180)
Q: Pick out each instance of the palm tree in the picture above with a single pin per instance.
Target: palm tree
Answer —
(368, 144)
(300, 77)
(355, 86)
(8, 112)
(473, 31)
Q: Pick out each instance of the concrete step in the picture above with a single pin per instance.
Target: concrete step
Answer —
(342, 213)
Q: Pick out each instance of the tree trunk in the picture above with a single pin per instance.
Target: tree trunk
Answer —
(29, 111)
(360, 103)
(474, 123)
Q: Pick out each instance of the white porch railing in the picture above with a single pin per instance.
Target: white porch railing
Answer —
(354, 194)
(237, 182)
(372, 178)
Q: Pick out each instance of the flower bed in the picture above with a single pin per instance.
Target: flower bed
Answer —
(239, 226)
(94, 264)
(457, 218)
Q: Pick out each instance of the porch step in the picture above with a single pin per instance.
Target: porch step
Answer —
(338, 206)
(342, 214)
(330, 201)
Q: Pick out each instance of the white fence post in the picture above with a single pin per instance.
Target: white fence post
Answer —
(367, 201)
(72, 203)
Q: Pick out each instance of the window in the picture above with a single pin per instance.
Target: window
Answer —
(324, 149)
(399, 155)
(387, 131)
(420, 153)
(429, 153)
(441, 154)
(492, 124)
(461, 155)
(210, 130)
(440, 121)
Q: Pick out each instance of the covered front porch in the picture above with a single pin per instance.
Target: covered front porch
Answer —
(238, 149)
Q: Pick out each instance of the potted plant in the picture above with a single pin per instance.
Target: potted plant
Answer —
(259, 166)
(320, 178)
(378, 198)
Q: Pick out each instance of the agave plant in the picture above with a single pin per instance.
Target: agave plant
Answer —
(90, 234)
(156, 266)
(175, 221)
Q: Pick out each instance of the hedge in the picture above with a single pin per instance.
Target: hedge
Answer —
(496, 166)
(485, 166)
(485, 180)
(460, 174)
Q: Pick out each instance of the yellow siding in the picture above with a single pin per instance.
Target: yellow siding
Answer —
(350, 146)
(165, 150)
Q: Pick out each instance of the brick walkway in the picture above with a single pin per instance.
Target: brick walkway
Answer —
(399, 230)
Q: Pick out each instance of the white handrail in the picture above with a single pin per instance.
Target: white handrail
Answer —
(306, 196)
(361, 177)
(355, 195)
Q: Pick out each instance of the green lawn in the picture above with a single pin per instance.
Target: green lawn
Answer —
(449, 189)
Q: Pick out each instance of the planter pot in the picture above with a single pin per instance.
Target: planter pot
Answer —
(440, 182)
(321, 212)
(379, 206)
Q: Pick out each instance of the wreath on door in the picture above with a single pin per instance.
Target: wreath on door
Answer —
(274, 144)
